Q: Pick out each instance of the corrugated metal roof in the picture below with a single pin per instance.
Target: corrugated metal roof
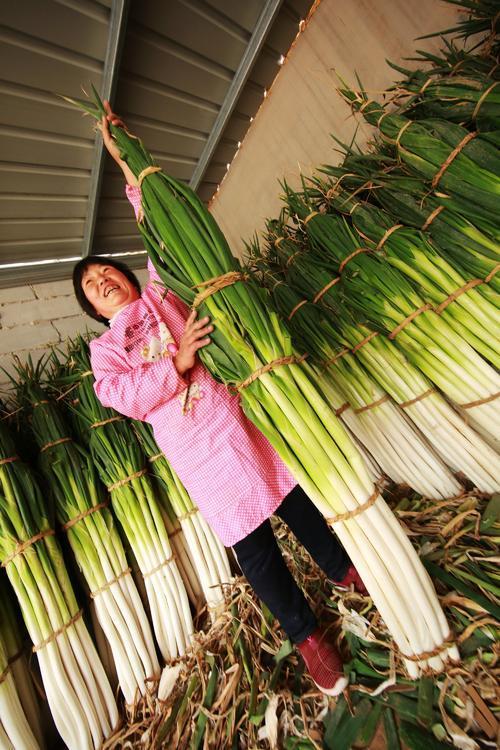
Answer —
(179, 61)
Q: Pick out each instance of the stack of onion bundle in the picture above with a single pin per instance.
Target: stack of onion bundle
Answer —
(462, 305)
(76, 686)
(377, 422)
(121, 465)
(461, 448)
(15, 732)
(12, 635)
(252, 352)
(461, 166)
(472, 98)
(179, 550)
(208, 556)
(380, 295)
(80, 504)
(469, 244)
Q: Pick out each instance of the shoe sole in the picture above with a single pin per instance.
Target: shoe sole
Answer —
(338, 688)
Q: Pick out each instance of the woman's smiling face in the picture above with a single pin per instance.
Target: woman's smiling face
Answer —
(107, 289)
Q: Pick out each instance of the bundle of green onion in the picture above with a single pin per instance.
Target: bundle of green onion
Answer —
(471, 248)
(14, 728)
(252, 351)
(80, 504)
(461, 304)
(464, 164)
(379, 294)
(377, 422)
(121, 465)
(77, 689)
(473, 100)
(453, 439)
(207, 554)
(12, 636)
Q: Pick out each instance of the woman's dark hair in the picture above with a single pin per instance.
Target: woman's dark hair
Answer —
(99, 260)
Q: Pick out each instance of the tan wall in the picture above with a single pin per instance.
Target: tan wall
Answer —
(291, 131)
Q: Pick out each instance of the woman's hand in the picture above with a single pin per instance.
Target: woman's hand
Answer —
(193, 338)
(111, 144)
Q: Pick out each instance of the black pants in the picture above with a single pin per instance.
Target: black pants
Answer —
(262, 563)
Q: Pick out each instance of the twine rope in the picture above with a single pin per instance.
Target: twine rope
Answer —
(55, 442)
(353, 513)
(481, 401)
(310, 216)
(365, 341)
(5, 673)
(451, 157)
(278, 240)
(379, 121)
(40, 403)
(428, 392)
(154, 458)
(342, 409)
(84, 514)
(111, 582)
(431, 217)
(424, 655)
(332, 360)
(297, 307)
(86, 374)
(292, 258)
(387, 235)
(8, 460)
(58, 632)
(145, 173)
(353, 255)
(165, 562)
(188, 514)
(402, 130)
(23, 546)
(409, 318)
(291, 360)
(365, 103)
(427, 83)
(323, 291)
(482, 98)
(454, 295)
(374, 404)
(216, 284)
(126, 480)
(105, 421)
(492, 273)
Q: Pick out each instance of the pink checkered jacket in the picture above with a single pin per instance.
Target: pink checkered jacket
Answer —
(227, 465)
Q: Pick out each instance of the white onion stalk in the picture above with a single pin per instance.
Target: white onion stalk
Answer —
(207, 554)
(12, 717)
(12, 634)
(399, 449)
(379, 549)
(453, 439)
(77, 688)
(80, 501)
(120, 461)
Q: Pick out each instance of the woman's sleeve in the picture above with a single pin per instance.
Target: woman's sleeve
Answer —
(135, 391)
(134, 194)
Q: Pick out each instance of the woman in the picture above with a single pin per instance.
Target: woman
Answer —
(146, 367)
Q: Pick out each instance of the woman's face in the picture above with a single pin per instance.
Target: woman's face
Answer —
(107, 289)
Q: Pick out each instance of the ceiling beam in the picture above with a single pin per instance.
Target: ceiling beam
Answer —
(116, 37)
(254, 46)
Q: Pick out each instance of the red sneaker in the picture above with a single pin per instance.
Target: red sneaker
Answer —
(352, 577)
(323, 663)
